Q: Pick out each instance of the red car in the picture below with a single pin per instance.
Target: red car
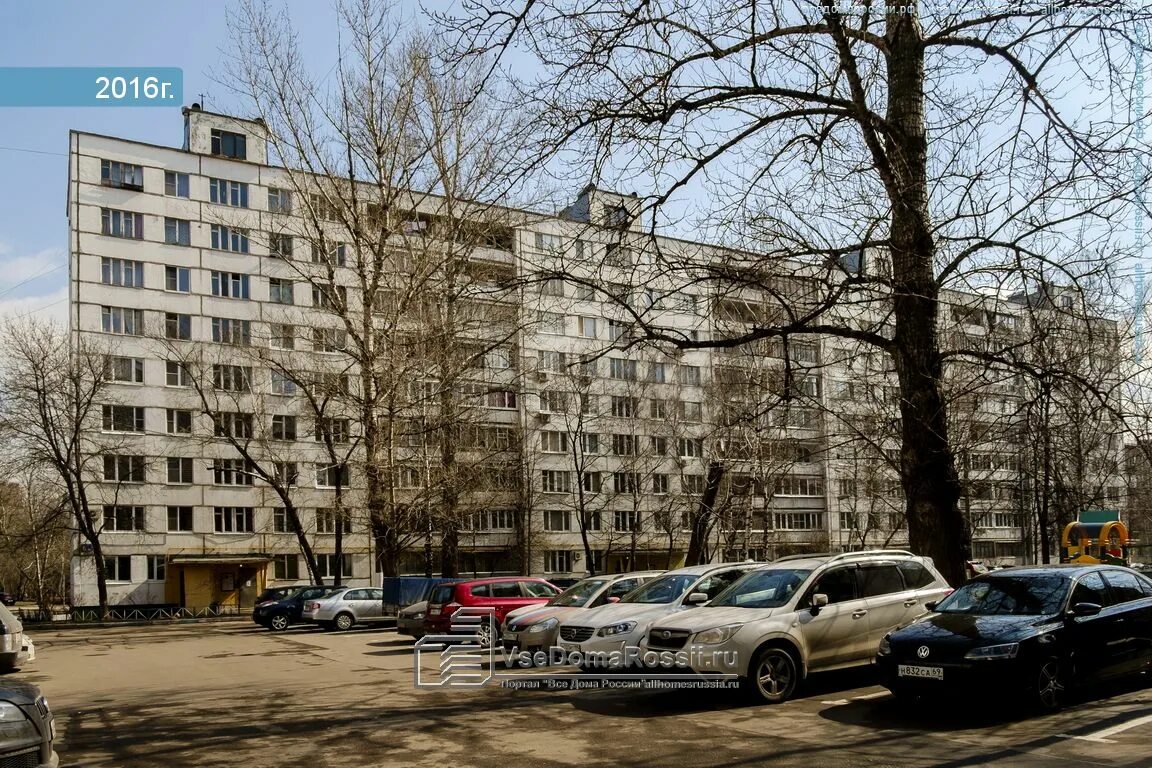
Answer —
(501, 593)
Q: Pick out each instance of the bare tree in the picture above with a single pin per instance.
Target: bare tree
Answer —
(828, 135)
(35, 534)
(54, 396)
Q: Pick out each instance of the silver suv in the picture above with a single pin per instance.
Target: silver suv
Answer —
(801, 614)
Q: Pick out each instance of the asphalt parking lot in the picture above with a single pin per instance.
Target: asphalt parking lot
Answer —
(236, 695)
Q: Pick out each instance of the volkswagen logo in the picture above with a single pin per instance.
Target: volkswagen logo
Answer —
(922, 651)
(665, 635)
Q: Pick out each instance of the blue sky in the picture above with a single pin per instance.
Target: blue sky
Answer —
(34, 142)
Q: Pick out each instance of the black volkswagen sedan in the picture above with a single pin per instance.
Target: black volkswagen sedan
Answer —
(1032, 631)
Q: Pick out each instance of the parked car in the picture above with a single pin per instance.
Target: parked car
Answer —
(6, 597)
(27, 727)
(1029, 631)
(500, 594)
(801, 614)
(278, 615)
(345, 609)
(536, 627)
(16, 648)
(620, 626)
(272, 594)
(410, 619)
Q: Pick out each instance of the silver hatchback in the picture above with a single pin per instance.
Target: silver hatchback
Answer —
(347, 608)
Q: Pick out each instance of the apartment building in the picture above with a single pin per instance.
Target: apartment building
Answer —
(574, 448)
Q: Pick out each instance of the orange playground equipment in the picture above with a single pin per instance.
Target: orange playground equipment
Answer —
(1097, 537)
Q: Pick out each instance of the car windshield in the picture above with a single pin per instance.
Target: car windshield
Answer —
(579, 593)
(769, 588)
(1039, 595)
(666, 589)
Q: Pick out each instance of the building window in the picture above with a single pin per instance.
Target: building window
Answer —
(123, 418)
(590, 443)
(229, 239)
(229, 144)
(658, 445)
(619, 368)
(179, 519)
(625, 407)
(179, 470)
(176, 374)
(660, 484)
(550, 323)
(231, 472)
(122, 224)
(118, 568)
(225, 192)
(793, 485)
(799, 521)
(626, 520)
(127, 322)
(231, 424)
(177, 326)
(279, 200)
(121, 175)
(331, 255)
(125, 369)
(157, 568)
(285, 473)
(331, 476)
(691, 447)
(658, 409)
(658, 373)
(233, 519)
(558, 561)
(121, 517)
(231, 378)
(583, 292)
(327, 565)
(124, 469)
(557, 520)
(286, 567)
(230, 285)
(555, 481)
(326, 521)
(122, 272)
(503, 399)
(229, 331)
(178, 279)
(329, 339)
(689, 375)
(691, 412)
(280, 246)
(335, 430)
(624, 445)
(282, 336)
(283, 427)
(617, 329)
(626, 482)
(408, 477)
(554, 442)
(588, 327)
(175, 184)
(692, 484)
(178, 421)
(592, 482)
(328, 296)
(552, 401)
(282, 383)
(280, 520)
(280, 291)
(177, 231)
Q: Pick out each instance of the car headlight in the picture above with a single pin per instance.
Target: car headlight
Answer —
(622, 628)
(1004, 651)
(10, 713)
(885, 648)
(716, 635)
(544, 626)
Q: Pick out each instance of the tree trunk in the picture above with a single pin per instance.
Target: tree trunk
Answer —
(936, 526)
(450, 551)
(702, 522)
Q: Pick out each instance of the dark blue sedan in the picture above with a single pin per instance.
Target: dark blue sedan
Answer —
(1029, 631)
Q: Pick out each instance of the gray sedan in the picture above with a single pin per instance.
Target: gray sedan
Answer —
(343, 610)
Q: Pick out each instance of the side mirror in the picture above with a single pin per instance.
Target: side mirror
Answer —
(613, 599)
(696, 598)
(1081, 610)
(819, 600)
(931, 604)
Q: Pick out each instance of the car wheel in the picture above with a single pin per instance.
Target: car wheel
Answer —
(485, 633)
(773, 676)
(1048, 685)
(344, 622)
(278, 623)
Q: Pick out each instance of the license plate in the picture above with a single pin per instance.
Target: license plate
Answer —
(569, 648)
(434, 611)
(910, 670)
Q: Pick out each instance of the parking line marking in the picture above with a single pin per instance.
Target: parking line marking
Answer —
(1101, 737)
(870, 696)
